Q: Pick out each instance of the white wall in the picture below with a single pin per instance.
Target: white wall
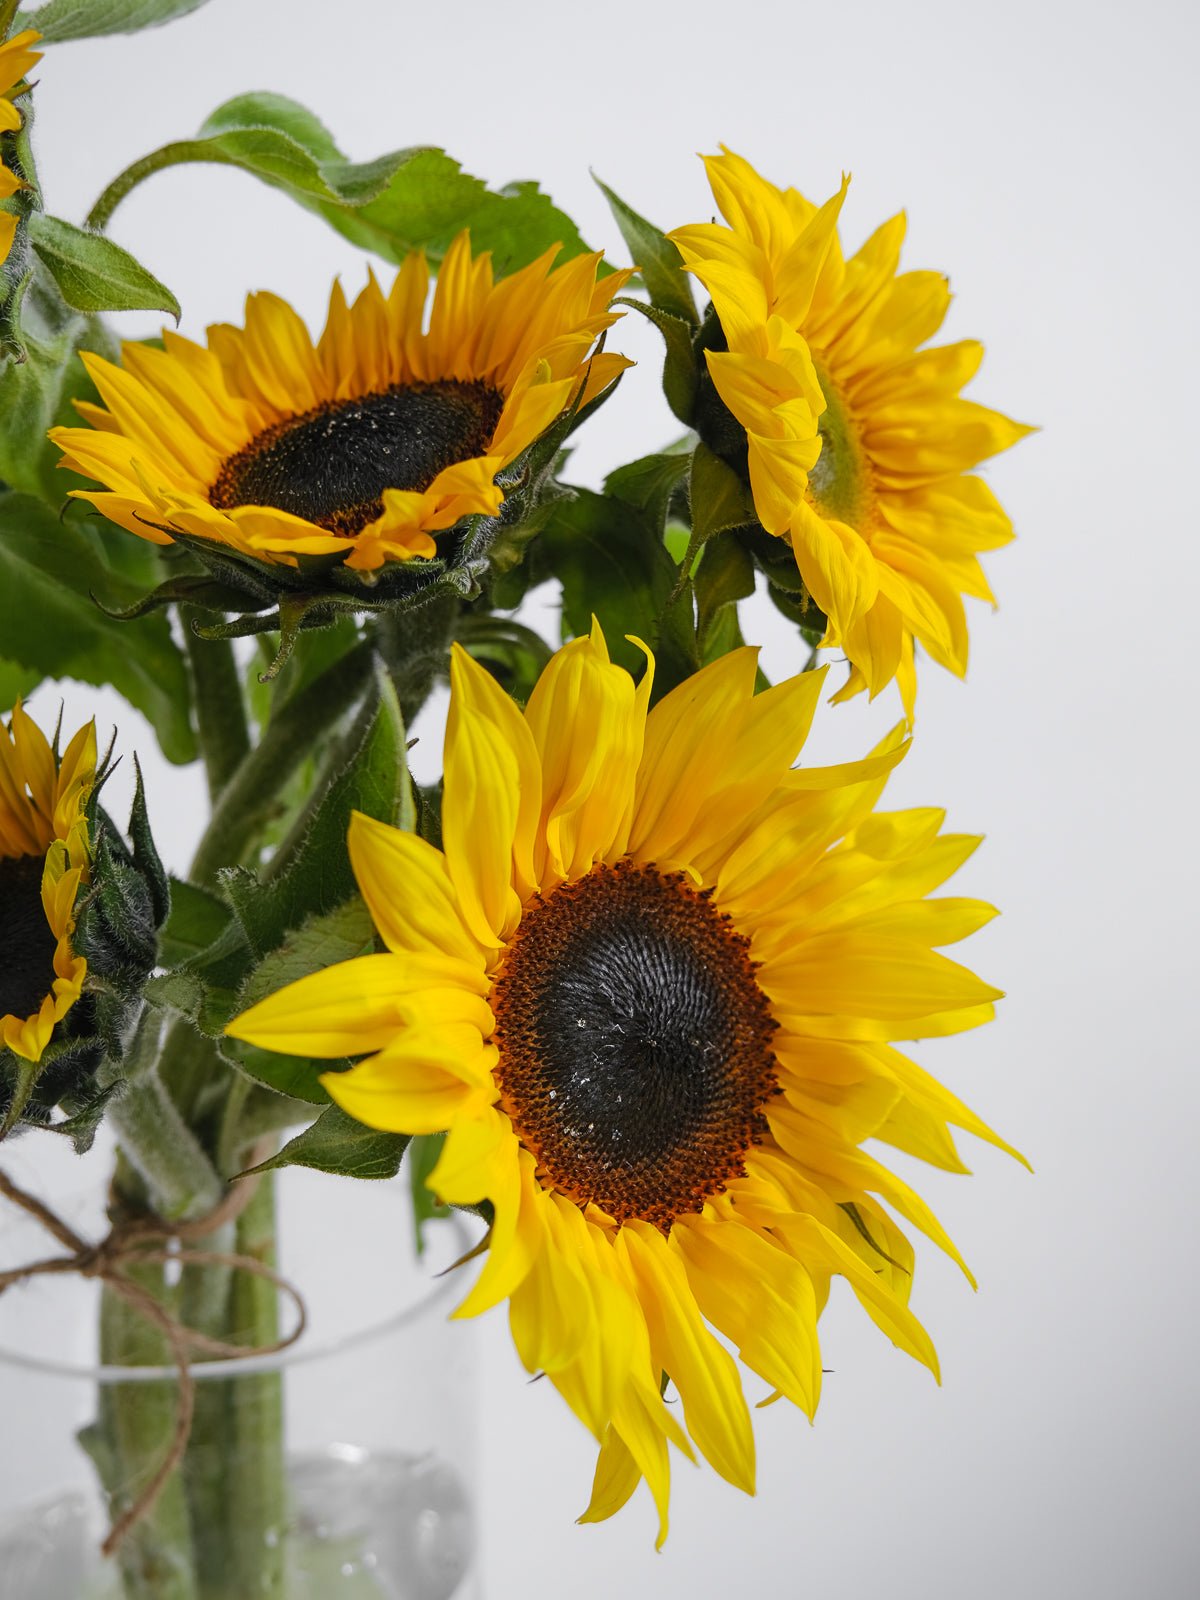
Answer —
(1042, 152)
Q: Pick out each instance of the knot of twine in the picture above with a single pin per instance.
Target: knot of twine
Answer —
(145, 1240)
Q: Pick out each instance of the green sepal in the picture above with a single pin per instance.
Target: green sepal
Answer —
(681, 374)
(63, 1080)
(655, 483)
(94, 274)
(424, 1151)
(799, 607)
(117, 922)
(336, 1143)
(724, 576)
(720, 500)
(60, 20)
(657, 260)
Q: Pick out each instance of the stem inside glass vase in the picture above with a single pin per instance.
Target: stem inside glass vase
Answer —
(350, 1452)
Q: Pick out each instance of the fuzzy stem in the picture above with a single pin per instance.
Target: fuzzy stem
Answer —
(256, 1496)
(414, 645)
(294, 730)
(181, 1182)
(170, 155)
(220, 707)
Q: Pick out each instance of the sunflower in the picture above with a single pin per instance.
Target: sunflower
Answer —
(859, 443)
(364, 445)
(652, 996)
(43, 863)
(16, 58)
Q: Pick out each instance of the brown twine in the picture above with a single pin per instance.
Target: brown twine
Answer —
(142, 1241)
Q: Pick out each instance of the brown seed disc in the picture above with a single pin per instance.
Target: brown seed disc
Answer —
(331, 465)
(635, 1043)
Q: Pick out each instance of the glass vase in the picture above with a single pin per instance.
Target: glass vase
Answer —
(341, 1468)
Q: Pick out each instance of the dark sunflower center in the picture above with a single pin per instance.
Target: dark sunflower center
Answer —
(332, 464)
(635, 1044)
(26, 943)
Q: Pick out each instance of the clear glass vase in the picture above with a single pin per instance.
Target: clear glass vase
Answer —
(342, 1468)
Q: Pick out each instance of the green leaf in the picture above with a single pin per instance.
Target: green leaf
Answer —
(310, 872)
(725, 576)
(16, 682)
(719, 498)
(181, 992)
(49, 621)
(418, 198)
(612, 562)
(60, 20)
(336, 1143)
(318, 943)
(38, 394)
(656, 258)
(681, 373)
(93, 273)
(424, 1151)
(197, 920)
(649, 483)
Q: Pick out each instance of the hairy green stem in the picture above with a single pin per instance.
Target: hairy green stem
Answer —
(134, 1425)
(180, 1181)
(170, 155)
(294, 730)
(220, 706)
(255, 1485)
(414, 645)
(133, 1429)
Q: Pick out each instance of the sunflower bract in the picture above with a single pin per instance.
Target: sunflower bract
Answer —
(365, 445)
(654, 998)
(858, 445)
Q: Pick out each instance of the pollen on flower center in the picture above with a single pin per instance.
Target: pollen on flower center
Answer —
(27, 943)
(332, 464)
(635, 1043)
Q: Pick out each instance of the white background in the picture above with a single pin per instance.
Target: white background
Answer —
(1046, 156)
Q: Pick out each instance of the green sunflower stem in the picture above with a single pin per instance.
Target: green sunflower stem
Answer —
(250, 795)
(127, 1441)
(134, 1425)
(414, 645)
(220, 706)
(8, 10)
(234, 1466)
(179, 1179)
(171, 155)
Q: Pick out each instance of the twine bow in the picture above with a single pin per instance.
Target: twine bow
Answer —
(143, 1241)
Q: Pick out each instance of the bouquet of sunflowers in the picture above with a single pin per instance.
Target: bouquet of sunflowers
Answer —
(632, 983)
